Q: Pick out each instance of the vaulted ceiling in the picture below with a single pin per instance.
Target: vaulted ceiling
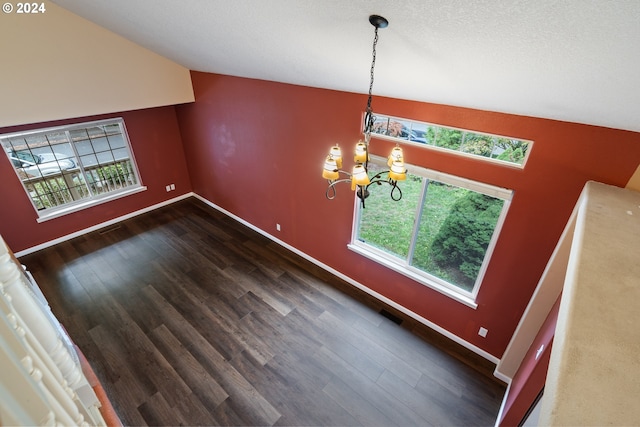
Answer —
(571, 60)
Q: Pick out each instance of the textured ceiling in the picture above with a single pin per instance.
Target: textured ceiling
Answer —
(572, 60)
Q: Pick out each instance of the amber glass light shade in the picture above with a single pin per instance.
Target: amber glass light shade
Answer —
(336, 153)
(330, 170)
(395, 156)
(397, 172)
(361, 153)
(359, 176)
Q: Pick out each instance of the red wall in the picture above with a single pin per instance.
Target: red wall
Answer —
(529, 381)
(256, 149)
(157, 145)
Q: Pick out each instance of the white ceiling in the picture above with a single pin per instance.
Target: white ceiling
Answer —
(572, 60)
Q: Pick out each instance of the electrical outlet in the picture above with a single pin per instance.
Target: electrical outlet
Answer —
(483, 332)
(278, 227)
(168, 188)
(173, 187)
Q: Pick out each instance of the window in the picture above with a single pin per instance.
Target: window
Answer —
(500, 149)
(440, 233)
(67, 168)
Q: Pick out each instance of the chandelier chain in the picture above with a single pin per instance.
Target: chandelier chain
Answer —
(369, 113)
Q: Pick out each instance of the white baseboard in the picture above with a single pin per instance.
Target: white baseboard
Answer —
(502, 377)
(502, 405)
(360, 286)
(101, 225)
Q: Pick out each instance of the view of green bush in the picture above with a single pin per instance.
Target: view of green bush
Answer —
(506, 149)
(464, 236)
(511, 150)
(445, 138)
(441, 198)
(113, 174)
(456, 226)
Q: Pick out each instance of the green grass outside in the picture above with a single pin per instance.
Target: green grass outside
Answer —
(392, 232)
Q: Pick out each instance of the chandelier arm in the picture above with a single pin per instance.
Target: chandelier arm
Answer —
(396, 191)
(378, 177)
(395, 188)
(330, 194)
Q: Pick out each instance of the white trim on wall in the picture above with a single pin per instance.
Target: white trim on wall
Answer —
(101, 225)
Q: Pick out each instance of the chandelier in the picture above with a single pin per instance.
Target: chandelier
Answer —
(359, 176)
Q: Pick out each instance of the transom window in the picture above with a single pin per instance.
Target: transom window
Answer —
(441, 233)
(67, 168)
(500, 149)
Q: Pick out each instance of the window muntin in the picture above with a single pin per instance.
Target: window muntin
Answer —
(73, 166)
(441, 233)
(500, 149)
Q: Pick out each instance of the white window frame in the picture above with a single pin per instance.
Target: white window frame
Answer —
(401, 266)
(94, 199)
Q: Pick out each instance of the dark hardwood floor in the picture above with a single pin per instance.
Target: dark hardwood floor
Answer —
(190, 318)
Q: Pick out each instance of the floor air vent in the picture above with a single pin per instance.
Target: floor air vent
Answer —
(108, 230)
(393, 318)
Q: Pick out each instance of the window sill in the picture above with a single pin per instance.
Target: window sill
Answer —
(457, 296)
(49, 214)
